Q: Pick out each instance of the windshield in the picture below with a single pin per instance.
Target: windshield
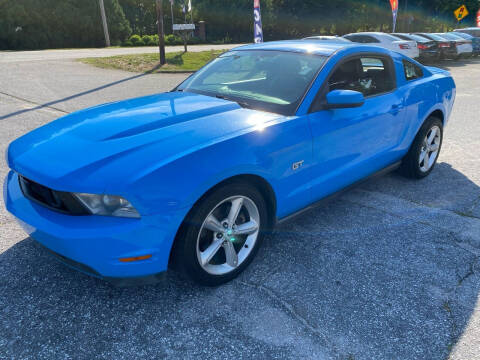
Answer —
(463, 35)
(273, 81)
(418, 38)
(391, 37)
(436, 37)
(328, 38)
(448, 36)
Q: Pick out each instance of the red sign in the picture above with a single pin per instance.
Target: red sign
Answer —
(478, 18)
(394, 4)
(256, 3)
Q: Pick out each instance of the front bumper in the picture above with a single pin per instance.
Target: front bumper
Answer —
(94, 244)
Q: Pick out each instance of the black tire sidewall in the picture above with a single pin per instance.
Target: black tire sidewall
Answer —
(187, 251)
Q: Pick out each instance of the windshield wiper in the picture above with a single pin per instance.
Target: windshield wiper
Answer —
(241, 103)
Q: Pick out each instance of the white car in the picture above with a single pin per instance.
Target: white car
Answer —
(464, 46)
(328, 38)
(405, 47)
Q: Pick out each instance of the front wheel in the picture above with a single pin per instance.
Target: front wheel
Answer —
(222, 235)
(423, 154)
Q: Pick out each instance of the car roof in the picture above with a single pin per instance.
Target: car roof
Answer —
(371, 33)
(326, 48)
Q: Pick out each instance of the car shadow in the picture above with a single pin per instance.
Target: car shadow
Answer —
(51, 104)
(446, 64)
(388, 270)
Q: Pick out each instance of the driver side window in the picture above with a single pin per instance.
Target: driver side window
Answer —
(369, 75)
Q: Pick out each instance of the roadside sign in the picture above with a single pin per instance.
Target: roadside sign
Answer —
(394, 5)
(461, 12)
(178, 27)
(478, 18)
(257, 23)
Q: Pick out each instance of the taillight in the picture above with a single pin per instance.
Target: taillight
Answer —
(422, 46)
(404, 46)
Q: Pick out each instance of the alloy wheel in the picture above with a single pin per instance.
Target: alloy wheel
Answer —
(430, 149)
(228, 235)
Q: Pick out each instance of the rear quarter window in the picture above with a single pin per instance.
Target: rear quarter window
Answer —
(412, 71)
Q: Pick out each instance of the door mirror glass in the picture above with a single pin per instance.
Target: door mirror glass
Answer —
(340, 99)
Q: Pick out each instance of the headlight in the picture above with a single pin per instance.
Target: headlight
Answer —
(108, 205)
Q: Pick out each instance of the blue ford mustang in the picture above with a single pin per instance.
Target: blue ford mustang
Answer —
(195, 177)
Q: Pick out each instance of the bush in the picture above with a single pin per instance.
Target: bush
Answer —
(149, 40)
(152, 42)
(173, 40)
(135, 39)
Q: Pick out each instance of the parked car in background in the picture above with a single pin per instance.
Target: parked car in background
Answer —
(475, 41)
(405, 47)
(474, 31)
(195, 177)
(448, 48)
(464, 47)
(328, 38)
(428, 48)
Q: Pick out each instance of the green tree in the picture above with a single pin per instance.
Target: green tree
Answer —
(32, 24)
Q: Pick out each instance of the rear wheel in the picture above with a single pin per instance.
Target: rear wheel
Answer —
(222, 235)
(423, 154)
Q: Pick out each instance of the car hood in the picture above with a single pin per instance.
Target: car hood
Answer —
(73, 152)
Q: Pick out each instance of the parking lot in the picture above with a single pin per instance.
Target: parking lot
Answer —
(390, 270)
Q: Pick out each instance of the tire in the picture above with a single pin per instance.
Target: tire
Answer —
(197, 238)
(413, 166)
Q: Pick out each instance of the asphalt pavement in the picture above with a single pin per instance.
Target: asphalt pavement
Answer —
(390, 270)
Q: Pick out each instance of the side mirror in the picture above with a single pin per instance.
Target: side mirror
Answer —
(341, 99)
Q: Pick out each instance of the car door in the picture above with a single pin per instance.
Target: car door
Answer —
(351, 143)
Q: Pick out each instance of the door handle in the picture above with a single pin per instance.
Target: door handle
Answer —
(395, 109)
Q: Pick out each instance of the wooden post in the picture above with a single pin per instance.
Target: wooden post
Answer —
(161, 35)
(104, 21)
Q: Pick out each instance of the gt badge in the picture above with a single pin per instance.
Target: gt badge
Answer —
(296, 165)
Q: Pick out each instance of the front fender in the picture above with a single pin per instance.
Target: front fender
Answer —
(265, 152)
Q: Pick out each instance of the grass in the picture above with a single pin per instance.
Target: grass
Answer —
(149, 63)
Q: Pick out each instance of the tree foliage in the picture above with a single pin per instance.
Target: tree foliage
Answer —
(34, 24)
(287, 19)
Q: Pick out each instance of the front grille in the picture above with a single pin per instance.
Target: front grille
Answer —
(59, 201)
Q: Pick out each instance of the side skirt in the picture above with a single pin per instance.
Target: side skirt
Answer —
(328, 198)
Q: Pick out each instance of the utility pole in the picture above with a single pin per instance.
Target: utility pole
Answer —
(104, 21)
(171, 10)
(161, 37)
(406, 20)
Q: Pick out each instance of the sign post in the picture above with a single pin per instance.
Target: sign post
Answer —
(257, 22)
(394, 5)
(161, 37)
